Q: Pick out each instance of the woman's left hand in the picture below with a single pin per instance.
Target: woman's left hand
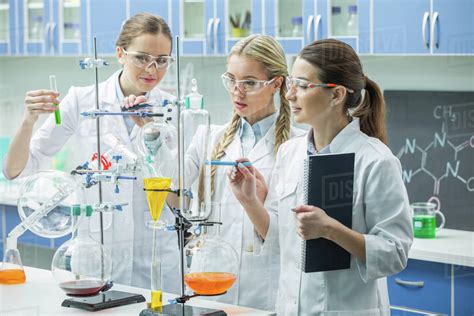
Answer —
(313, 222)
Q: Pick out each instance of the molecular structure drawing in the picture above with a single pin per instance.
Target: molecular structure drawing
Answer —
(457, 123)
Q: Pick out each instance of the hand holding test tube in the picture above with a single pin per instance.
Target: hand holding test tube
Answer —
(53, 86)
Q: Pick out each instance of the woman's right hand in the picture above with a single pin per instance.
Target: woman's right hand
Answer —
(132, 100)
(247, 183)
(40, 102)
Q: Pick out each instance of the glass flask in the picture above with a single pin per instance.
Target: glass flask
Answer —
(195, 121)
(45, 203)
(81, 266)
(211, 263)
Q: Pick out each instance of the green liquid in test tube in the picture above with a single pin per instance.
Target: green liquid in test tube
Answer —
(53, 86)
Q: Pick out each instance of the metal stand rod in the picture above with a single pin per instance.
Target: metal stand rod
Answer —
(180, 168)
(96, 70)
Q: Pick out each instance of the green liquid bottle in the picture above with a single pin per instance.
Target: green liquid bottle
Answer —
(424, 226)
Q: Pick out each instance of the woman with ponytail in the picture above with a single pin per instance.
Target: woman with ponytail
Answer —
(345, 109)
(255, 73)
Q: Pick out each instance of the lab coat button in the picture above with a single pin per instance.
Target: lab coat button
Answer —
(249, 248)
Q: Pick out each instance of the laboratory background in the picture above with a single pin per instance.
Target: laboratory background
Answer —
(421, 53)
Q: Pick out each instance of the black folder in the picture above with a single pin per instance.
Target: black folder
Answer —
(328, 184)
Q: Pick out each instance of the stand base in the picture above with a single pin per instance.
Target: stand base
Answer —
(103, 300)
(181, 310)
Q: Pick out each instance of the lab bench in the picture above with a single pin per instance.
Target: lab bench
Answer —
(439, 277)
(41, 296)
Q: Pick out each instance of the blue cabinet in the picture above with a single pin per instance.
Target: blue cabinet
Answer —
(106, 18)
(423, 27)
(8, 44)
(452, 27)
(463, 290)
(429, 287)
(423, 286)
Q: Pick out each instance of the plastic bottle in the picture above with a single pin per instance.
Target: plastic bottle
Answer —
(337, 23)
(352, 21)
(297, 22)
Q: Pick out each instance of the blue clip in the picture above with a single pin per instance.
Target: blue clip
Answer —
(117, 189)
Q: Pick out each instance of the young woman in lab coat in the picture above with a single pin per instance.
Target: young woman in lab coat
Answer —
(256, 71)
(143, 49)
(325, 92)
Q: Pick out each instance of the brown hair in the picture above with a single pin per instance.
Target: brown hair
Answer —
(267, 51)
(142, 23)
(338, 63)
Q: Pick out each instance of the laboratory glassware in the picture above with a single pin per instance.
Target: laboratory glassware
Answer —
(424, 219)
(82, 266)
(44, 207)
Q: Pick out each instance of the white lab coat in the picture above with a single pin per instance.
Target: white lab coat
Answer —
(380, 212)
(125, 233)
(258, 275)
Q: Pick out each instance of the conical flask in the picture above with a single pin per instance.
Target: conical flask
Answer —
(81, 266)
(12, 271)
(195, 122)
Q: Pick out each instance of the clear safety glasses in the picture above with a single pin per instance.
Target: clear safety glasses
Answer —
(248, 86)
(144, 60)
(301, 83)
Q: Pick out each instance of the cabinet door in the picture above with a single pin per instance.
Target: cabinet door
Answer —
(399, 26)
(243, 18)
(7, 24)
(463, 290)
(106, 18)
(193, 21)
(346, 19)
(34, 26)
(284, 20)
(68, 26)
(452, 27)
(422, 285)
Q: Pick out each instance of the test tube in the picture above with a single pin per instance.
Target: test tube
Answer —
(156, 293)
(53, 86)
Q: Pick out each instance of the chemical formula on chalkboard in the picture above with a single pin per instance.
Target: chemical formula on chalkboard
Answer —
(432, 133)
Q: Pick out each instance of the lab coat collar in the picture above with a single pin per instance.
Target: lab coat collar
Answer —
(346, 137)
(263, 148)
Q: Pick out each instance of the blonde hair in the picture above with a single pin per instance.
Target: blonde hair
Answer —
(142, 23)
(268, 52)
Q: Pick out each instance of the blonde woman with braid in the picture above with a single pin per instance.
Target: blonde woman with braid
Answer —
(256, 71)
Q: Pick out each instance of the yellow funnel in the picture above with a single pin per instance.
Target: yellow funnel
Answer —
(156, 199)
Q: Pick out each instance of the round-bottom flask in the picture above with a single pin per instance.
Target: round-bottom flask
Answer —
(81, 266)
(211, 265)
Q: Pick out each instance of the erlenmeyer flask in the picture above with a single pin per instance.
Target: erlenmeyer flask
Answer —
(81, 266)
(12, 271)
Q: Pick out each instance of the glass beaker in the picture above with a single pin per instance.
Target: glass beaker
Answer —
(424, 219)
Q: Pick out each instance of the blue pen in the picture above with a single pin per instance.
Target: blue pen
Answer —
(227, 163)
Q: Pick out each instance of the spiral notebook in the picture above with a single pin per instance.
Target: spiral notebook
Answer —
(328, 184)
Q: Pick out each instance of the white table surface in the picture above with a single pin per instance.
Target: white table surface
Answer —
(450, 246)
(41, 296)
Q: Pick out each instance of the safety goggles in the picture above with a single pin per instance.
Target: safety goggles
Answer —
(144, 60)
(247, 86)
(301, 83)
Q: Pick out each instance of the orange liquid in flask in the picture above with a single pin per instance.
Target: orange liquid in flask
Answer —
(209, 283)
(12, 276)
(156, 199)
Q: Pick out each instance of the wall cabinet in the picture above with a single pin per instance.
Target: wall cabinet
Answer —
(423, 27)
(212, 27)
(428, 287)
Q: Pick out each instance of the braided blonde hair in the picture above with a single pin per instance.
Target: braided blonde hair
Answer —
(267, 51)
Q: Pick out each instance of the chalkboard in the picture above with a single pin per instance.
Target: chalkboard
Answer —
(432, 133)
